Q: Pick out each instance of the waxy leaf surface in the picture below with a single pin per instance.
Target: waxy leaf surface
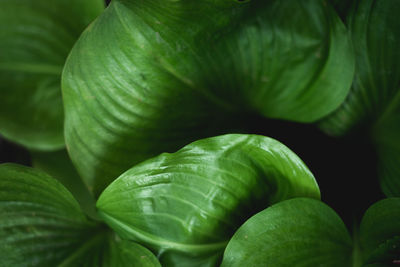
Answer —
(185, 206)
(297, 232)
(35, 39)
(151, 76)
(373, 104)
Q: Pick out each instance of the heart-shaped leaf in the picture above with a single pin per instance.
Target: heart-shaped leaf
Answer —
(373, 104)
(151, 76)
(35, 39)
(380, 233)
(297, 232)
(186, 205)
(41, 224)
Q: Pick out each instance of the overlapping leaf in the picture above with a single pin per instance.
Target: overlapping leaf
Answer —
(58, 165)
(35, 39)
(380, 233)
(187, 205)
(306, 232)
(41, 224)
(151, 76)
(40, 221)
(297, 232)
(373, 105)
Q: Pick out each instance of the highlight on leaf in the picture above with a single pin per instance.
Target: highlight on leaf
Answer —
(167, 74)
(185, 206)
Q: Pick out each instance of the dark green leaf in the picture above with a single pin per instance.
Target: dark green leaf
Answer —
(108, 251)
(187, 205)
(41, 224)
(373, 105)
(126, 253)
(151, 76)
(297, 232)
(58, 165)
(380, 232)
(35, 39)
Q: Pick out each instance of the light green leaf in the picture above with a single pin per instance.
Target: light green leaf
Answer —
(151, 76)
(380, 232)
(187, 205)
(373, 105)
(35, 39)
(298, 232)
(58, 165)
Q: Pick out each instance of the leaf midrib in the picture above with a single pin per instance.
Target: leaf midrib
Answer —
(162, 243)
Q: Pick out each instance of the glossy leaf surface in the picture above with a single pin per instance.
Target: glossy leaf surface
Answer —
(373, 104)
(297, 232)
(35, 39)
(151, 76)
(187, 205)
(380, 233)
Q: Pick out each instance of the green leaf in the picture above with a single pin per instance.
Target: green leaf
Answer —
(151, 76)
(110, 251)
(187, 205)
(126, 253)
(380, 232)
(35, 39)
(373, 104)
(58, 165)
(41, 224)
(297, 232)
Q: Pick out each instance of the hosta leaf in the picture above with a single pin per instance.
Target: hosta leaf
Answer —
(58, 165)
(185, 206)
(41, 224)
(297, 232)
(373, 104)
(126, 253)
(35, 39)
(380, 232)
(108, 251)
(387, 142)
(151, 76)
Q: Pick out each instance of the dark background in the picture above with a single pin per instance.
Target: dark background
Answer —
(345, 168)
